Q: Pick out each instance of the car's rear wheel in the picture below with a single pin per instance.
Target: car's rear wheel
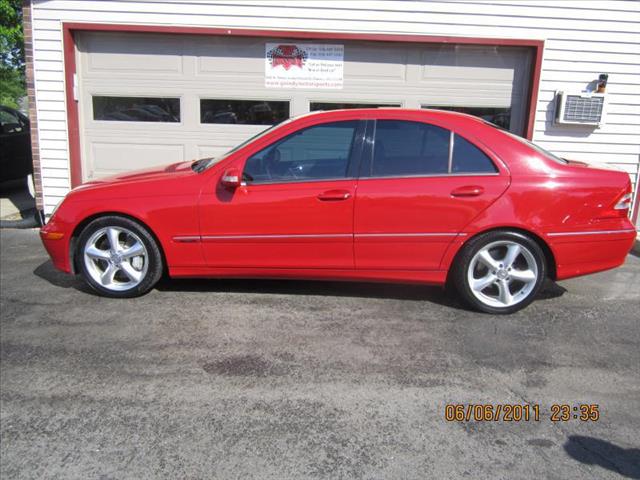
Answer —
(500, 271)
(118, 257)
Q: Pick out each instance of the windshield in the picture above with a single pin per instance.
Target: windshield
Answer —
(205, 163)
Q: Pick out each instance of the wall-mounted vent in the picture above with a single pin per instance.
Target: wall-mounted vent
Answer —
(580, 108)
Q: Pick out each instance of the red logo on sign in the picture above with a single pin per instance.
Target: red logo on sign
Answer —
(287, 56)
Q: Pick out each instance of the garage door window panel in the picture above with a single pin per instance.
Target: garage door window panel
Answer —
(499, 116)
(318, 153)
(243, 112)
(136, 109)
(325, 106)
(404, 148)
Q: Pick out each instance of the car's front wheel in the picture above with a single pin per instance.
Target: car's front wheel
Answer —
(500, 271)
(118, 257)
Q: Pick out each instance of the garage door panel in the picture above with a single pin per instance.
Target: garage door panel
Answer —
(205, 151)
(461, 93)
(473, 56)
(467, 75)
(477, 76)
(129, 136)
(132, 54)
(224, 135)
(110, 158)
(220, 57)
(379, 64)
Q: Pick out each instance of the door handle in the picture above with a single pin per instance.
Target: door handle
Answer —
(468, 191)
(334, 195)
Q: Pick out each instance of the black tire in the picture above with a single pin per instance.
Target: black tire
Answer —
(152, 260)
(460, 272)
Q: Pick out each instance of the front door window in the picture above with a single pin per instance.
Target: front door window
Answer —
(317, 153)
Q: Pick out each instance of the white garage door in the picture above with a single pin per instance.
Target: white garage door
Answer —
(149, 99)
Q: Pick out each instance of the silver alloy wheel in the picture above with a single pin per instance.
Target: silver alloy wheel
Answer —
(502, 273)
(116, 258)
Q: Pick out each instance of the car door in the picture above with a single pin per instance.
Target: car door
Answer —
(294, 208)
(420, 185)
(15, 145)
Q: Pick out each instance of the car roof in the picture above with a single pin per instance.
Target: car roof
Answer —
(386, 111)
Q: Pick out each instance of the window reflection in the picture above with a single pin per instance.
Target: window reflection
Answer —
(243, 112)
(496, 115)
(315, 106)
(136, 109)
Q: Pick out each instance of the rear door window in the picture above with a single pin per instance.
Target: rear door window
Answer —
(467, 158)
(404, 148)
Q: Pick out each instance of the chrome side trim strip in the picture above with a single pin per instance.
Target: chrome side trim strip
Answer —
(238, 237)
(431, 175)
(595, 232)
(409, 234)
(196, 238)
(187, 238)
(307, 180)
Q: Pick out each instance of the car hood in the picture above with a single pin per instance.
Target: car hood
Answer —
(166, 179)
(145, 175)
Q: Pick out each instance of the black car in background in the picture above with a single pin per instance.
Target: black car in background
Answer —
(15, 145)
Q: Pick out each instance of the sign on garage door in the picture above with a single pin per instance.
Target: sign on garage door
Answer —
(303, 65)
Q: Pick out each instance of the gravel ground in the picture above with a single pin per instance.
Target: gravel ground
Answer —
(291, 380)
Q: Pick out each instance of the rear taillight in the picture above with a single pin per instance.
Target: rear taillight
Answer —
(619, 208)
(624, 203)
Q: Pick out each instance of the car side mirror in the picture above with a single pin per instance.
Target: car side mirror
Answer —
(231, 178)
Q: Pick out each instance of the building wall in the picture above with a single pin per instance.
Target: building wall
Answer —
(582, 40)
(31, 100)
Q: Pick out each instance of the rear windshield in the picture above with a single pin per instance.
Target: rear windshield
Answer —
(537, 148)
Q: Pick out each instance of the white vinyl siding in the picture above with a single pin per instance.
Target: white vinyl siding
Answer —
(582, 40)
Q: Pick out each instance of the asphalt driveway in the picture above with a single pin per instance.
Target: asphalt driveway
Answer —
(292, 380)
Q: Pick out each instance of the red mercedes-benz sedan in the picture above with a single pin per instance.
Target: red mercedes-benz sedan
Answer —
(369, 194)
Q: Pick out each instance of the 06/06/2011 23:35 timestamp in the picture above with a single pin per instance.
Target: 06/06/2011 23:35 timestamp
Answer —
(527, 412)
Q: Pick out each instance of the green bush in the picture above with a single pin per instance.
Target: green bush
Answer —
(12, 80)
